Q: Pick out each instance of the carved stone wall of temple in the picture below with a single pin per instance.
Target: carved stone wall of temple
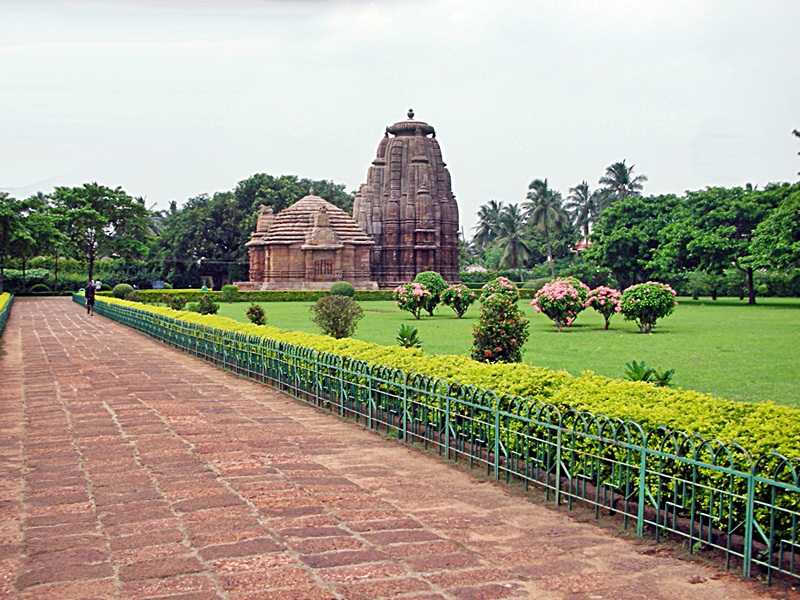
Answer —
(407, 206)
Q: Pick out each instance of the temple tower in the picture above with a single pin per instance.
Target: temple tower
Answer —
(407, 206)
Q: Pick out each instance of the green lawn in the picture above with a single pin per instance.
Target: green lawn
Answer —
(726, 347)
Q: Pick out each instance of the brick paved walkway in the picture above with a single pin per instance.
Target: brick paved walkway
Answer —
(130, 470)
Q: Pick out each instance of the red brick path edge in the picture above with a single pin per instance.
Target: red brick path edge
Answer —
(131, 470)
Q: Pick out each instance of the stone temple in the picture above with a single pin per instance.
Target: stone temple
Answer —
(405, 220)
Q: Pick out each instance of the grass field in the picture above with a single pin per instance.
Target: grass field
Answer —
(725, 347)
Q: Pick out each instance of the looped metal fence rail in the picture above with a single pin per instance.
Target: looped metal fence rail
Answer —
(715, 496)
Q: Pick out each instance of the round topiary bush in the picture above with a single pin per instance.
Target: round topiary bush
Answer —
(256, 314)
(39, 288)
(501, 331)
(207, 306)
(500, 285)
(435, 284)
(337, 316)
(606, 301)
(343, 288)
(122, 290)
(411, 297)
(229, 293)
(459, 297)
(561, 300)
(647, 302)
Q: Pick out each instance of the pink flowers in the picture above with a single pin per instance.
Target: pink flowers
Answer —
(411, 297)
(561, 300)
(606, 301)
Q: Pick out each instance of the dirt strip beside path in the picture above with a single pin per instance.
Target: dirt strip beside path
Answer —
(131, 470)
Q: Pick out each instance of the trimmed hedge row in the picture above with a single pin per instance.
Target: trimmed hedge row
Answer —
(194, 295)
(759, 428)
(6, 300)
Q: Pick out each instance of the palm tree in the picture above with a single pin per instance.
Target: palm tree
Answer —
(544, 211)
(488, 228)
(516, 249)
(619, 181)
(584, 206)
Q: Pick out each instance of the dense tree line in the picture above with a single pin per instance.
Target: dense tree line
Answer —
(714, 239)
(96, 224)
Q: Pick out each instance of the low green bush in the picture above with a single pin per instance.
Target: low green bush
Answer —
(256, 314)
(193, 295)
(176, 302)
(337, 316)
(122, 290)
(343, 288)
(207, 306)
(229, 293)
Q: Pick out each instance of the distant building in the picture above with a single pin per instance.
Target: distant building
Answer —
(405, 220)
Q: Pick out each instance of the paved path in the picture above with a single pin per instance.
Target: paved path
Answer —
(130, 470)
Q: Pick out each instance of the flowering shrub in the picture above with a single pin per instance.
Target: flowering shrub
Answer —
(435, 284)
(606, 301)
(459, 297)
(501, 285)
(411, 297)
(645, 303)
(501, 331)
(561, 300)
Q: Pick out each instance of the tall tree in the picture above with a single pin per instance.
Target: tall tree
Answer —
(627, 236)
(776, 240)
(101, 221)
(584, 206)
(516, 251)
(37, 232)
(10, 223)
(488, 228)
(543, 210)
(796, 133)
(620, 182)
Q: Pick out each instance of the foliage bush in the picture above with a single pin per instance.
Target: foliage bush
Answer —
(435, 284)
(606, 301)
(122, 290)
(639, 371)
(501, 331)
(459, 297)
(645, 303)
(561, 301)
(411, 297)
(193, 307)
(160, 296)
(408, 336)
(337, 316)
(229, 293)
(207, 306)
(343, 288)
(176, 302)
(256, 314)
(500, 285)
(758, 427)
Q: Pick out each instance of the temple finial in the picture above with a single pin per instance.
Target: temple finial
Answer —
(410, 113)
(311, 190)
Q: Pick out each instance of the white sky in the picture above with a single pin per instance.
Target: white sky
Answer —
(174, 98)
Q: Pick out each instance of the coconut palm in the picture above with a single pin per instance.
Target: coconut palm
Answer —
(544, 211)
(584, 206)
(516, 249)
(488, 228)
(620, 182)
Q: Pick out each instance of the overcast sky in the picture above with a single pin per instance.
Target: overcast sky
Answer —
(174, 98)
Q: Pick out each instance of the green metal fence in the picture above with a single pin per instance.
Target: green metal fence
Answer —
(4, 313)
(716, 497)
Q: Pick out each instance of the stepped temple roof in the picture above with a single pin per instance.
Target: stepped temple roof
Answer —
(295, 223)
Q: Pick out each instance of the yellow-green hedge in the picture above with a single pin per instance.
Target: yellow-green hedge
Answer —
(758, 427)
(5, 300)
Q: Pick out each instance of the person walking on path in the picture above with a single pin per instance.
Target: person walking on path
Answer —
(89, 295)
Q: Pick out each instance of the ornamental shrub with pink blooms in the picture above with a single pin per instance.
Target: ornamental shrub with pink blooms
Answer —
(501, 331)
(561, 300)
(458, 297)
(645, 303)
(412, 297)
(501, 285)
(606, 301)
